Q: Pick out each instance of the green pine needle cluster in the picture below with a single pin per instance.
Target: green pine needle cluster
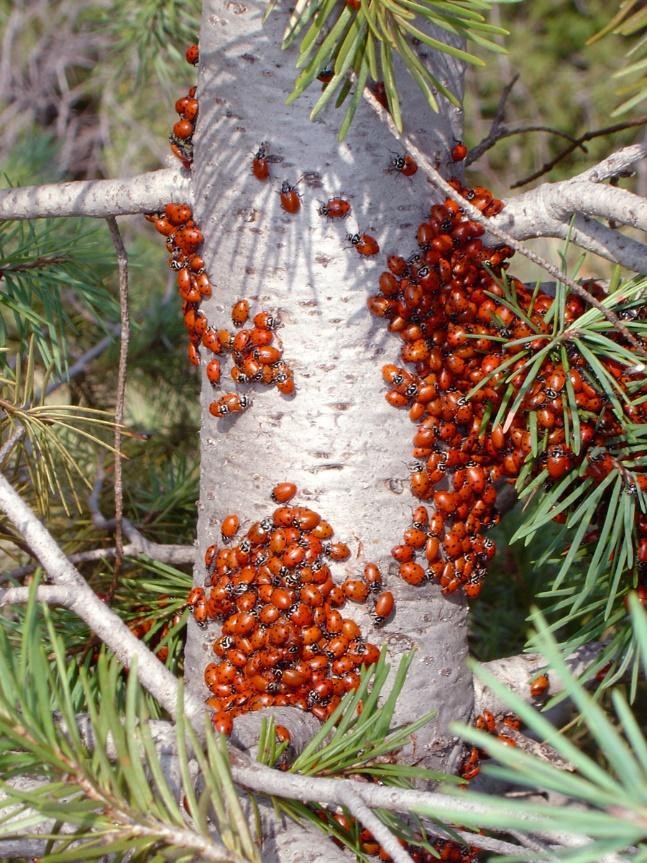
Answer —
(108, 786)
(609, 796)
(353, 43)
(630, 22)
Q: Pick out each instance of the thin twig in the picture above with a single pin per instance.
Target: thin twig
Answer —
(17, 434)
(52, 594)
(176, 555)
(380, 831)
(577, 142)
(37, 264)
(438, 180)
(122, 263)
(508, 131)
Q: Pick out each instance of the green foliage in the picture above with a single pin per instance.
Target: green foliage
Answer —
(46, 267)
(359, 44)
(630, 21)
(56, 435)
(152, 34)
(114, 792)
(613, 795)
(563, 85)
(587, 561)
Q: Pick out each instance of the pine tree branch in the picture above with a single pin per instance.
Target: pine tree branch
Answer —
(102, 198)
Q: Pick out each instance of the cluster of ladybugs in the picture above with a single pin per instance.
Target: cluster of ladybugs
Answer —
(181, 137)
(499, 726)
(455, 314)
(284, 639)
(256, 358)
(443, 849)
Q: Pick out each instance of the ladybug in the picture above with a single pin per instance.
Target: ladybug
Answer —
(335, 208)
(192, 54)
(404, 165)
(355, 589)
(178, 214)
(196, 595)
(326, 76)
(240, 313)
(183, 129)
(189, 110)
(412, 573)
(266, 321)
(364, 244)
(283, 492)
(373, 577)
(539, 686)
(458, 152)
(260, 164)
(229, 527)
(213, 372)
(384, 605)
(290, 198)
(193, 354)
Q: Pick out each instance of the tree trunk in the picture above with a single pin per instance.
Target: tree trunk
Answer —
(336, 438)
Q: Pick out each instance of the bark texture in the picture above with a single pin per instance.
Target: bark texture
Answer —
(337, 438)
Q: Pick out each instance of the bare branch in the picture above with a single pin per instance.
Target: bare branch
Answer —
(122, 264)
(177, 555)
(141, 194)
(555, 211)
(52, 594)
(154, 676)
(491, 226)
(587, 136)
(618, 164)
(382, 834)
(507, 132)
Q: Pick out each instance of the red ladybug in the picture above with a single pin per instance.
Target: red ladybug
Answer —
(335, 208)
(384, 605)
(283, 492)
(192, 54)
(364, 244)
(404, 165)
(290, 198)
(240, 313)
(183, 129)
(261, 165)
(539, 686)
(213, 372)
(458, 152)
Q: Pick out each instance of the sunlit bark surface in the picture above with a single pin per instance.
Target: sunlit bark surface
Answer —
(337, 439)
